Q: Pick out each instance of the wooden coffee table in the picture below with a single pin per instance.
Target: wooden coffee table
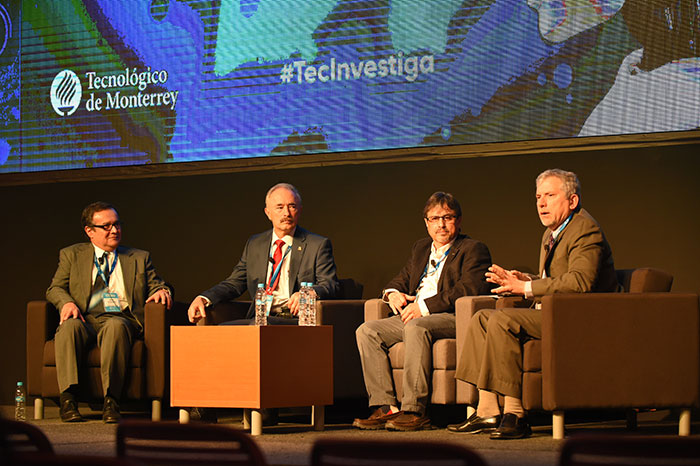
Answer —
(252, 368)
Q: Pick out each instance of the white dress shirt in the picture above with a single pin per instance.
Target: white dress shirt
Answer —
(280, 295)
(116, 278)
(428, 286)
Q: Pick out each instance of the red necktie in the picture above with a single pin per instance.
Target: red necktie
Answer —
(277, 258)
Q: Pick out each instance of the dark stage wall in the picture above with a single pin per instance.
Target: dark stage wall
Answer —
(195, 227)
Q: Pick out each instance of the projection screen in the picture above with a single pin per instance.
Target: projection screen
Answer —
(105, 83)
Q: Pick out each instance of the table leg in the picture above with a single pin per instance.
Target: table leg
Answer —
(318, 414)
(246, 418)
(256, 422)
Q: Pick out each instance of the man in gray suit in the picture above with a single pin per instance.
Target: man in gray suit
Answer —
(100, 289)
(281, 258)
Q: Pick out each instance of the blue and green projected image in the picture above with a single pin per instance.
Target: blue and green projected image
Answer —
(99, 83)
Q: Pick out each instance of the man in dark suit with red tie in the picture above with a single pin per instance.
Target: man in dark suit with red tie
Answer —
(281, 259)
(441, 269)
(100, 289)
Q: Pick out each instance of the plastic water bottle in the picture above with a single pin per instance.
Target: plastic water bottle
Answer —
(260, 305)
(303, 292)
(20, 403)
(310, 304)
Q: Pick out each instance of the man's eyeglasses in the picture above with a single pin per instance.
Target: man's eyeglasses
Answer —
(108, 226)
(436, 218)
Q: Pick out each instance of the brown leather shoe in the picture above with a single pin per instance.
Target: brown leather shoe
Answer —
(409, 421)
(377, 420)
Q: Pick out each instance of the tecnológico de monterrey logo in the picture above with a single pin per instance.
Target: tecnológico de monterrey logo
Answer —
(66, 93)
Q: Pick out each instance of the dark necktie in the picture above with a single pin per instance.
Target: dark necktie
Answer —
(99, 287)
(549, 244)
(276, 258)
(104, 265)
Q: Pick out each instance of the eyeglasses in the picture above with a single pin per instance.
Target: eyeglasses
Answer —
(108, 226)
(449, 218)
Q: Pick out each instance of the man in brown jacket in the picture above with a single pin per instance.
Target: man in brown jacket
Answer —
(575, 257)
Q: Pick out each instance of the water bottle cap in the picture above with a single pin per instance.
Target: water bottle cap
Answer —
(19, 384)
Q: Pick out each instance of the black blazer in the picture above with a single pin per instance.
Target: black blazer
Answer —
(462, 275)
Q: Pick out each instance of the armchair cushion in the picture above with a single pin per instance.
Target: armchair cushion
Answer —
(444, 355)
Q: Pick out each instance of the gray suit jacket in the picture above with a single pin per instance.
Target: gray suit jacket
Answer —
(72, 281)
(311, 260)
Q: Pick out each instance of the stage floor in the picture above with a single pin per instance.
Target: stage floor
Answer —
(290, 442)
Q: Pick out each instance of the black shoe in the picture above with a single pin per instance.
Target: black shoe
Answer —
(205, 415)
(69, 410)
(512, 427)
(110, 411)
(475, 424)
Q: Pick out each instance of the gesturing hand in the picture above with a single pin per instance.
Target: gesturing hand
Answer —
(508, 281)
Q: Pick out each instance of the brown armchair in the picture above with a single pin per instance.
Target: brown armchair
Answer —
(445, 389)
(148, 367)
(638, 349)
(344, 314)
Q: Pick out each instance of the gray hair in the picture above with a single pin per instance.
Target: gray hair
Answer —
(571, 183)
(285, 186)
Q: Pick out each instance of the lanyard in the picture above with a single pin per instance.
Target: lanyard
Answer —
(556, 234)
(275, 273)
(111, 269)
(437, 266)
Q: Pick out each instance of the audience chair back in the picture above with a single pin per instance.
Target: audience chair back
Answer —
(587, 450)
(339, 452)
(161, 443)
(22, 438)
(45, 459)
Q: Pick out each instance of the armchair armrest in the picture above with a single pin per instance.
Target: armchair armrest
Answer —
(154, 338)
(42, 321)
(465, 308)
(505, 302)
(345, 316)
(225, 311)
(620, 350)
(376, 309)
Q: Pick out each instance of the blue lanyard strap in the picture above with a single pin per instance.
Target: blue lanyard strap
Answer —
(556, 234)
(275, 273)
(437, 266)
(111, 269)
